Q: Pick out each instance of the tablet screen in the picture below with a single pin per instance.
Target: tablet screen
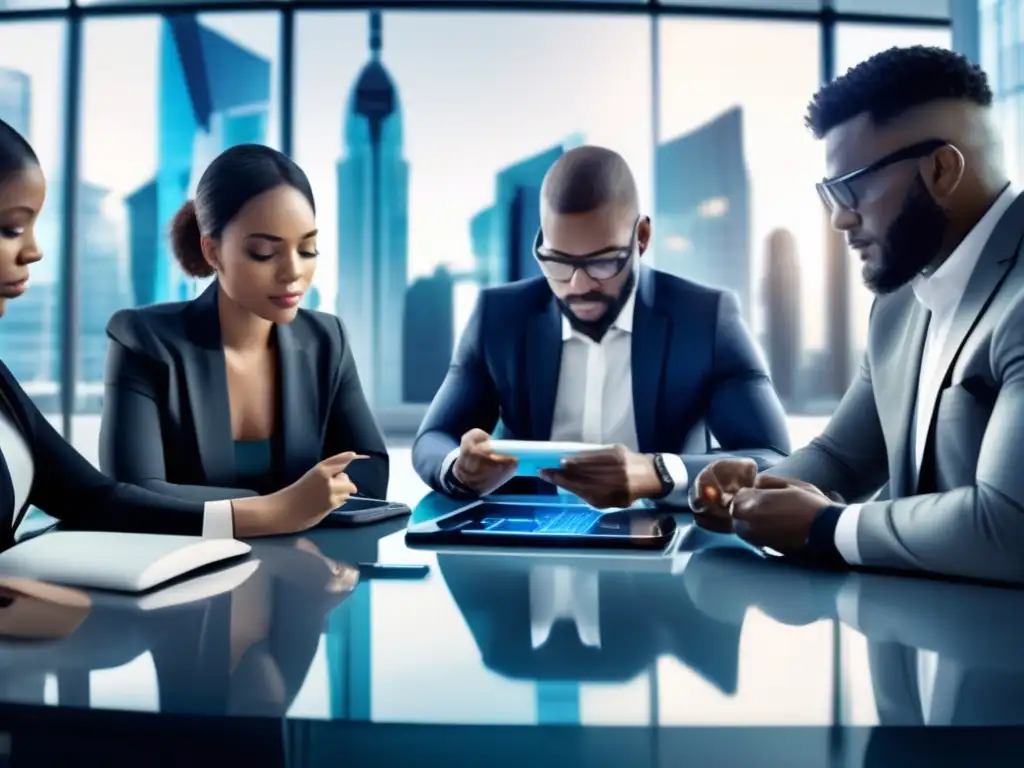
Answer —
(493, 519)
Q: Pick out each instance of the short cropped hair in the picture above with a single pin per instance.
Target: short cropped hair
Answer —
(587, 178)
(892, 82)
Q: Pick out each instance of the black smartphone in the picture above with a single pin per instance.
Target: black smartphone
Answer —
(363, 511)
(394, 571)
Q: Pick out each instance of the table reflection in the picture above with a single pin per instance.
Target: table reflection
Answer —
(245, 650)
(915, 651)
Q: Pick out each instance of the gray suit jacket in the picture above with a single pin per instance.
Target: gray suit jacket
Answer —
(966, 516)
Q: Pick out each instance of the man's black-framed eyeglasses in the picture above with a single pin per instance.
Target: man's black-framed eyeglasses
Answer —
(839, 192)
(599, 265)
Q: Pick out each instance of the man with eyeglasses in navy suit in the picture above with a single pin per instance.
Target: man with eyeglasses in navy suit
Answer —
(603, 351)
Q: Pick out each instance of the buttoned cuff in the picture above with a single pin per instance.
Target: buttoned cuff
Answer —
(846, 534)
(218, 520)
(679, 495)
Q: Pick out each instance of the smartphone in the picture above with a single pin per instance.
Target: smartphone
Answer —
(403, 571)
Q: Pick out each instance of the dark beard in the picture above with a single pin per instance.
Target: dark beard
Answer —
(596, 329)
(912, 243)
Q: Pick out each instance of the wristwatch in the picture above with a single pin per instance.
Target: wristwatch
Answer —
(455, 486)
(667, 483)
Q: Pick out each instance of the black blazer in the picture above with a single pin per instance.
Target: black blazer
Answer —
(166, 416)
(66, 486)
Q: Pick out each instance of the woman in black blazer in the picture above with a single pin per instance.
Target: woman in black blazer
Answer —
(38, 467)
(238, 392)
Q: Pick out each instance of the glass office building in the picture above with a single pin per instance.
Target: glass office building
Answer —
(425, 134)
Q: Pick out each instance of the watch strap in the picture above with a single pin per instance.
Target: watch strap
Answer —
(667, 483)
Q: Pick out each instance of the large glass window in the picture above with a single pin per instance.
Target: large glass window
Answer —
(426, 136)
(32, 64)
(187, 87)
(736, 170)
(933, 9)
(854, 44)
(31, 5)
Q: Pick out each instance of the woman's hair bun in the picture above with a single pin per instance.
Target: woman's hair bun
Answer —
(185, 242)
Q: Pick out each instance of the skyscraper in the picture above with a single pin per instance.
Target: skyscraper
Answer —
(702, 206)
(782, 311)
(429, 335)
(503, 234)
(373, 227)
(103, 285)
(213, 94)
(837, 312)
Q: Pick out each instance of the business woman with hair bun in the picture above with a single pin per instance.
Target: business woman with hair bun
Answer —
(39, 468)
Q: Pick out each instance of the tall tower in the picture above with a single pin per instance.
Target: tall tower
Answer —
(837, 311)
(373, 223)
(782, 310)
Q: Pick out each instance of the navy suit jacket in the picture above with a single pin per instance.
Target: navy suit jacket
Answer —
(696, 370)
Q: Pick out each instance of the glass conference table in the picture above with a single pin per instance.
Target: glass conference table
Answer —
(715, 657)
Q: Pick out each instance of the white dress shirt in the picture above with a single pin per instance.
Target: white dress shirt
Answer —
(594, 400)
(218, 518)
(940, 294)
(561, 592)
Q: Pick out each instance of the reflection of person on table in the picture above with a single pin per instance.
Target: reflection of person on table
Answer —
(939, 653)
(936, 412)
(250, 651)
(603, 351)
(534, 620)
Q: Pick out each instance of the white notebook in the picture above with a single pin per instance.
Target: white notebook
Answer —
(122, 562)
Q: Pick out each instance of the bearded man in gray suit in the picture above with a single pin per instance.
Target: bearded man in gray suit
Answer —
(921, 467)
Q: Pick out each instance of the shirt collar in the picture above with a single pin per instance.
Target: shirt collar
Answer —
(624, 322)
(941, 291)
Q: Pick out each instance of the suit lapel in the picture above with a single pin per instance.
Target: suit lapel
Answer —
(207, 385)
(996, 259)
(301, 434)
(906, 364)
(542, 360)
(649, 346)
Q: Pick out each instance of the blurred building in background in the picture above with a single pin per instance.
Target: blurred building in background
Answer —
(1001, 52)
(782, 314)
(702, 206)
(373, 227)
(503, 234)
(213, 94)
(428, 335)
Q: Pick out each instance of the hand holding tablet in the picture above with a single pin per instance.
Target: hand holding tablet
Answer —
(533, 456)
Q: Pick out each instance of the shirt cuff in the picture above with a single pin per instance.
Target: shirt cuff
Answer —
(846, 534)
(218, 520)
(446, 466)
(679, 495)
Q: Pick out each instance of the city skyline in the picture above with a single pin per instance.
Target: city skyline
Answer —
(448, 187)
